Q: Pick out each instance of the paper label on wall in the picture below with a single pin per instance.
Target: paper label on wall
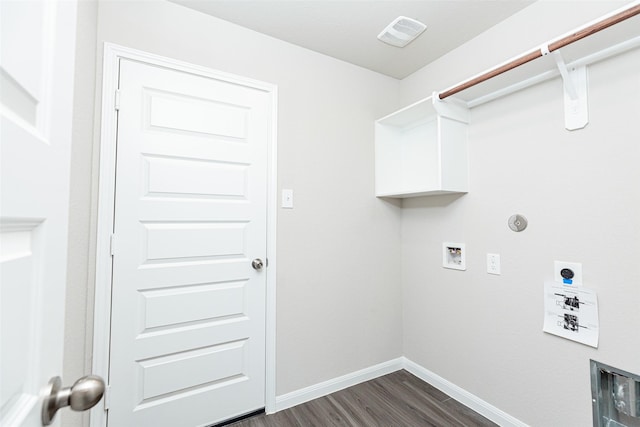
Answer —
(571, 312)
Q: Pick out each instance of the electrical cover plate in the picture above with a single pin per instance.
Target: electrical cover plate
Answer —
(493, 264)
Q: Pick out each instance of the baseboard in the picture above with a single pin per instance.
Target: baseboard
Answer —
(470, 400)
(327, 387)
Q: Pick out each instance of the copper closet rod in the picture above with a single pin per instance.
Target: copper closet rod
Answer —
(528, 57)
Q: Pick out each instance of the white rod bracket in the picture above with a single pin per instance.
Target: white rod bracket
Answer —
(544, 50)
(451, 107)
(569, 84)
(576, 112)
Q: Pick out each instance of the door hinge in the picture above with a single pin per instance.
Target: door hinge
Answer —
(112, 245)
(117, 100)
(107, 397)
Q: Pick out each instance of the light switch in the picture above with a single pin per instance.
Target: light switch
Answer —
(287, 199)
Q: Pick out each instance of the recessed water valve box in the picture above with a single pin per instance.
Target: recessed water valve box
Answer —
(454, 255)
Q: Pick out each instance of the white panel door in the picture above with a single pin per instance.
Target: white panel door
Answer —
(188, 309)
(36, 93)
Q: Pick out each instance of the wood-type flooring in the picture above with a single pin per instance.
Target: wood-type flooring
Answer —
(395, 400)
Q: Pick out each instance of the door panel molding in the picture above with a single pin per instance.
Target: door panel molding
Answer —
(36, 129)
(106, 186)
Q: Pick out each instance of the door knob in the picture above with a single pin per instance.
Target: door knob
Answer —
(257, 264)
(82, 395)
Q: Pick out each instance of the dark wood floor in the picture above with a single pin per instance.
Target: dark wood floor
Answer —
(395, 400)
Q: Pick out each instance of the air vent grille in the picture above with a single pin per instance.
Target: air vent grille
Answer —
(401, 31)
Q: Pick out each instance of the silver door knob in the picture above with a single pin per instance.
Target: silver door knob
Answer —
(257, 264)
(82, 395)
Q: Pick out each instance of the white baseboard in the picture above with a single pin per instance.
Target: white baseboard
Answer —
(331, 386)
(470, 400)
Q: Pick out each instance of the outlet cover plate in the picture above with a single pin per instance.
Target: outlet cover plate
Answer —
(493, 264)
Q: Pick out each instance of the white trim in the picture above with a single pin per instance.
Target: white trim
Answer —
(106, 188)
(331, 386)
(469, 400)
(325, 388)
(272, 208)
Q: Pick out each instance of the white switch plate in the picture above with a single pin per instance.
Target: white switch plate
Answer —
(493, 264)
(287, 199)
(576, 267)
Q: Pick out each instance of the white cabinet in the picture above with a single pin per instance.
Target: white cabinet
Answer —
(421, 150)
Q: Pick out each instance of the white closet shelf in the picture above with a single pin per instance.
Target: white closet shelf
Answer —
(421, 150)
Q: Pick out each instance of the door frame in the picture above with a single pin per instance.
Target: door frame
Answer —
(106, 199)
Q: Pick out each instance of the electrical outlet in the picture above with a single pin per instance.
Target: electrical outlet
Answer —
(493, 264)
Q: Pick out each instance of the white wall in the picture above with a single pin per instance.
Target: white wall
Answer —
(338, 287)
(579, 191)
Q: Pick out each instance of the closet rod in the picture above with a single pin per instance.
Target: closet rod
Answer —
(528, 57)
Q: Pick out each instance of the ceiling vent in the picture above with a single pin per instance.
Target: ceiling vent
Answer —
(401, 31)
